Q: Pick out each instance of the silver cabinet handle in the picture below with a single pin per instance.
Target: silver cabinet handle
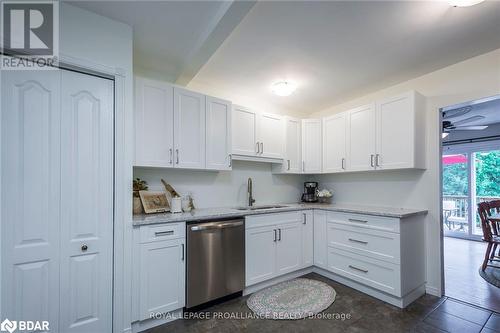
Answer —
(177, 152)
(171, 155)
(304, 220)
(371, 160)
(288, 164)
(377, 160)
(343, 163)
(358, 269)
(357, 221)
(279, 234)
(262, 147)
(274, 238)
(258, 147)
(357, 241)
(230, 160)
(182, 254)
(164, 233)
(303, 166)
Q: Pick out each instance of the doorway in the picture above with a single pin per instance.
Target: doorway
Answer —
(470, 174)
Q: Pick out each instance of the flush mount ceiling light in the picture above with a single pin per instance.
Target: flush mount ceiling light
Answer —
(283, 88)
(464, 3)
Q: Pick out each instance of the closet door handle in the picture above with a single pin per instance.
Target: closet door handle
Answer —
(371, 160)
(171, 155)
(177, 152)
(230, 160)
(262, 147)
(258, 147)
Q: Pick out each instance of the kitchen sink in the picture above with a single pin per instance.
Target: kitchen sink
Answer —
(261, 207)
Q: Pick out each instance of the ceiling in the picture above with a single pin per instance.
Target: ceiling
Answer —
(333, 50)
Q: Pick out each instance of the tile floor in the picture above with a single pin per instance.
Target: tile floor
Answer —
(426, 315)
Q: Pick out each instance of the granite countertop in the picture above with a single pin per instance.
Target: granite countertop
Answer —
(222, 213)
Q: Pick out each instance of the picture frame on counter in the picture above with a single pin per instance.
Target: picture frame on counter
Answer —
(154, 202)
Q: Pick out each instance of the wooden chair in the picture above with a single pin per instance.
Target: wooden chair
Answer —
(490, 231)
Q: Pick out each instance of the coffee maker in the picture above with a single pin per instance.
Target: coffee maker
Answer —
(310, 192)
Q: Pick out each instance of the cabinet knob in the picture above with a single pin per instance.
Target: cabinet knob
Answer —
(84, 247)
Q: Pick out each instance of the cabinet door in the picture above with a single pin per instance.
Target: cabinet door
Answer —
(361, 138)
(154, 123)
(260, 248)
(307, 238)
(270, 135)
(30, 153)
(189, 129)
(396, 132)
(162, 277)
(87, 201)
(320, 239)
(218, 134)
(334, 143)
(288, 250)
(293, 143)
(244, 126)
(311, 145)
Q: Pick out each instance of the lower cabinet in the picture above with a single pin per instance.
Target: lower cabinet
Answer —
(159, 282)
(320, 242)
(277, 244)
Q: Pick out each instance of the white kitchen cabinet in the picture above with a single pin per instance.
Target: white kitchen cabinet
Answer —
(361, 138)
(292, 162)
(400, 135)
(311, 146)
(154, 125)
(270, 136)
(260, 254)
(189, 129)
(244, 129)
(162, 275)
(288, 253)
(218, 134)
(334, 143)
(307, 238)
(320, 242)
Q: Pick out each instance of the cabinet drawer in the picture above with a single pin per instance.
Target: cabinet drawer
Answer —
(256, 221)
(365, 221)
(377, 274)
(160, 232)
(376, 244)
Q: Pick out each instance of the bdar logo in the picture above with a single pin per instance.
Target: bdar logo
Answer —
(7, 325)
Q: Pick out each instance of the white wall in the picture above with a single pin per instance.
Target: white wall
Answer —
(468, 80)
(227, 189)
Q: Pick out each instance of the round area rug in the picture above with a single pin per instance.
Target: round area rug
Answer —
(294, 299)
(491, 275)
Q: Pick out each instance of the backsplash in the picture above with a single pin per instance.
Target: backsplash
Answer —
(227, 188)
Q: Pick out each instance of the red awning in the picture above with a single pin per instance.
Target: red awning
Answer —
(453, 159)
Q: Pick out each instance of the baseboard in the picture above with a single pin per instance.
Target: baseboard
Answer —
(433, 291)
(256, 287)
(146, 324)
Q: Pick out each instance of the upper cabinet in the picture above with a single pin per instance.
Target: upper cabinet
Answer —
(218, 136)
(175, 127)
(311, 146)
(292, 162)
(400, 134)
(334, 143)
(154, 126)
(361, 138)
(256, 135)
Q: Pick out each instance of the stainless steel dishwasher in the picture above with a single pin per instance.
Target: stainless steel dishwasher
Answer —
(215, 260)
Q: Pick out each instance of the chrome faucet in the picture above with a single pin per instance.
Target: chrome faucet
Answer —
(251, 200)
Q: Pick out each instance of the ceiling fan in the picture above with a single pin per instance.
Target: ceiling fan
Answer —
(460, 125)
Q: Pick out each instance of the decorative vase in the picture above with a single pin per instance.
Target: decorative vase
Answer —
(137, 206)
(325, 200)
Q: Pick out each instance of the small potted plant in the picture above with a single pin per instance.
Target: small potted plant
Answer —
(325, 196)
(139, 185)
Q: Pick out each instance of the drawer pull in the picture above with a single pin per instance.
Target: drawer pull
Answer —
(358, 269)
(164, 233)
(357, 221)
(357, 241)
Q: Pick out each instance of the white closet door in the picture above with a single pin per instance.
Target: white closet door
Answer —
(218, 134)
(361, 138)
(334, 143)
(86, 203)
(30, 195)
(189, 129)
